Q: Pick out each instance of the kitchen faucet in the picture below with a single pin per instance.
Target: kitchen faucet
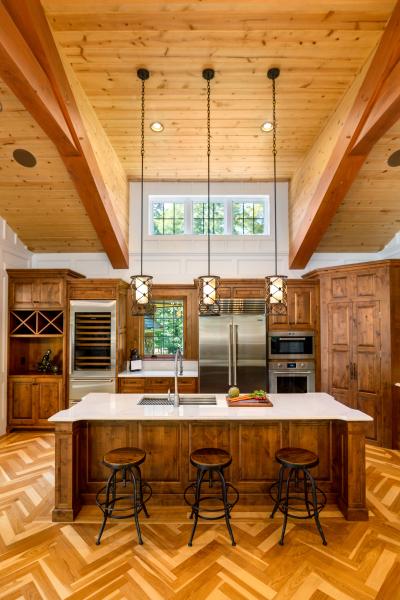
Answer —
(178, 356)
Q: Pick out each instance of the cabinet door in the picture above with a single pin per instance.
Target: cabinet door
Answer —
(131, 385)
(21, 401)
(50, 292)
(22, 293)
(187, 385)
(340, 351)
(47, 396)
(367, 363)
(302, 307)
(154, 385)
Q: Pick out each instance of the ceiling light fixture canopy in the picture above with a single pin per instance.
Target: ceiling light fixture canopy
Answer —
(267, 126)
(157, 126)
(209, 284)
(141, 285)
(275, 285)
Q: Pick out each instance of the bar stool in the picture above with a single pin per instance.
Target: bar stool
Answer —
(299, 461)
(210, 461)
(124, 461)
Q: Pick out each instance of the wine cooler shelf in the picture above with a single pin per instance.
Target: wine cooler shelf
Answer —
(36, 322)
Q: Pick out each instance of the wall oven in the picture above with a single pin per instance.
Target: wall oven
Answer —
(291, 377)
(290, 345)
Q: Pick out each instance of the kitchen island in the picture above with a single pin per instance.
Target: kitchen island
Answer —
(168, 434)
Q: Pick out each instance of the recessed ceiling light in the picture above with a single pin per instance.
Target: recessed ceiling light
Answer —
(24, 157)
(267, 126)
(157, 126)
(394, 159)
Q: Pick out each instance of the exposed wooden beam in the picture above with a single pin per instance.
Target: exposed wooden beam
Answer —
(26, 78)
(331, 162)
(96, 171)
(384, 114)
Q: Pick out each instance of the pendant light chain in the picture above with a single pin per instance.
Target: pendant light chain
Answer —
(141, 180)
(274, 152)
(208, 171)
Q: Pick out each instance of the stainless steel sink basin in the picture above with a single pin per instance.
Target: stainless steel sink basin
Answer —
(184, 400)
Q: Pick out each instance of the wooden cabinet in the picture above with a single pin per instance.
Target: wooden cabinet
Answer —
(32, 400)
(360, 328)
(303, 308)
(46, 292)
(37, 323)
(154, 385)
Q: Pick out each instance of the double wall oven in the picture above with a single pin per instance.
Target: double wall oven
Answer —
(291, 366)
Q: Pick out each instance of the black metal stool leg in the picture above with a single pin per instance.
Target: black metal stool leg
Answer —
(315, 504)
(226, 507)
(106, 508)
(305, 483)
(142, 504)
(135, 504)
(195, 507)
(279, 496)
(286, 507)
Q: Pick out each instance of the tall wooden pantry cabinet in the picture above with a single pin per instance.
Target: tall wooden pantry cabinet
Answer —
(360, 336)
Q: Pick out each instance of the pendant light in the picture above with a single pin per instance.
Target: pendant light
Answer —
(208, 284)
(276, 285)
(141, 284)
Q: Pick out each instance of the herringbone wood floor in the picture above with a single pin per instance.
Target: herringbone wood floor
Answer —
(40, 559)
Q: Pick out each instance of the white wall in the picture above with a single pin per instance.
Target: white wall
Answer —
(180, 260)
(13, 254)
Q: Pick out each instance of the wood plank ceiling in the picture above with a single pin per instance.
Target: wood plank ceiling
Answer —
(40, 204)
(319, 45)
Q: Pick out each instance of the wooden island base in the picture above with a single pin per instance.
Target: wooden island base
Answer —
(80, 446)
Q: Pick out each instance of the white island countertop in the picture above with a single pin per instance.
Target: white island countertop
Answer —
(124, 407)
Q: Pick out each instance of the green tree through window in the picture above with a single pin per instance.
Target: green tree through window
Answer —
(164, 331)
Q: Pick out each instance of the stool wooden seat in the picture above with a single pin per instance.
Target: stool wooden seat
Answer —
(211, 461)
(210, 458)
(126, 463)
(124, 457)
(297, 458)
(297, 461)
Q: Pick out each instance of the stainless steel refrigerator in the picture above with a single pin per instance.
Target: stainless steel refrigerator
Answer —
(232, 347)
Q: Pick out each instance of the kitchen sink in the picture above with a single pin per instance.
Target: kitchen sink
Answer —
(184, 400)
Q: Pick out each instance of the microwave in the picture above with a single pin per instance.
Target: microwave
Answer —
(290, 344)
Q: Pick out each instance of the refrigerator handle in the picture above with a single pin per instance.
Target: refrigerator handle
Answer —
(235, 352)
(230, 344)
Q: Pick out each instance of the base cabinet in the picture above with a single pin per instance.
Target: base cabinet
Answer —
(32, 400)
(154, 385)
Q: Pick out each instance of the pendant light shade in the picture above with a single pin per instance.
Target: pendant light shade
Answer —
(208, 285)
(275, 285)
(141, 285)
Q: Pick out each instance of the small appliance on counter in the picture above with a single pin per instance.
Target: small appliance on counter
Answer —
(135, 362)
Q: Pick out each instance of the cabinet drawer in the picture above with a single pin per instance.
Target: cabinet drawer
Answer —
(248, 293)
(131, 385)
(92, 293)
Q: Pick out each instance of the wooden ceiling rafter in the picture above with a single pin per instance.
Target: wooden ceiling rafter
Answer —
(34, 49)
(375, 108)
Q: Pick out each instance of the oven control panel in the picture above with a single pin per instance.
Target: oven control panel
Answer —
(305, 365)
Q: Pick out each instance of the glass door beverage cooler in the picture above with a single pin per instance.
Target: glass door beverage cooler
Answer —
(92, 366)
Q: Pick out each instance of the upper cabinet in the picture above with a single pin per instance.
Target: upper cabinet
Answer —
(46, 289)
(303, 308)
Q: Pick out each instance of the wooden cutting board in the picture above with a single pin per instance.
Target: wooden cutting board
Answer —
(239, 402)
